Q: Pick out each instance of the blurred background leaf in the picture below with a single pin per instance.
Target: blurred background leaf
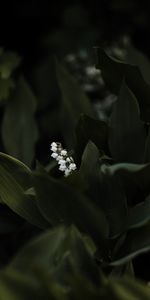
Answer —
(19, 129)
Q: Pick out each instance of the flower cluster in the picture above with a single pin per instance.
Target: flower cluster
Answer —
(66, 162)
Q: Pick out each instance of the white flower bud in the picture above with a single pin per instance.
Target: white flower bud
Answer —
(91, 71)
(72, 166)
(65, 162)
(59, 157)
(54, 155)
(62, 162)
(67, 172)
(53, 144)
(62, 168)
(68, 159)
(63, 152)
(54, 149)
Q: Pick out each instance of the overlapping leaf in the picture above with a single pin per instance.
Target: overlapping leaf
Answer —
(91, 129)
(15, 179)
(104, 189)
(74, 103)
(136, 242)
(114, 71)
(61, 203)
(127, 133)
(62, 252)
(19, 130)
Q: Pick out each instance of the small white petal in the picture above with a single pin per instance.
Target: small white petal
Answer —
(54, 149)
(59, 157)
(63, 152)
(92, 71)
(62, 162)
(68, 159)
(53, 144)
(62, 168)
(72, 166)
(67, 172)
(54, 155)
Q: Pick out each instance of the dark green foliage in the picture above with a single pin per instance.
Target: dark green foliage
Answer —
(91, 129)
(97, 220)
(61, 203)
(19, 130)
(114, 71)
(8, 63)
(14, 190)
(127, 133)
(74, 102)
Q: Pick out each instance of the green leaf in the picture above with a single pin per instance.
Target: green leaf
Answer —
(19, 130)
(14, 181)
(90, 162)
(6, 85)
(128, 289)
(15, 286)
(127, 133)
(114, 71)
(137, 174)
(137, 241)
(104, 189)
(112, 200)
(9, 61)
(60, 202)
(40, 252)
(17, 169)
(89, 171)
(74, 103)
(91, 129)
(139, 215)
(61, 251)
(137, 58)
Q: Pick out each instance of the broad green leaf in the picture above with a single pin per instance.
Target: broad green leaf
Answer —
(6, 85)
(127, 133)
(139, 215)
(89, 171)
(81, 288)
(137, 241)
(112, 200)
(123, 270)
(128, 289)
(114, 71)
(8, 63)
(14, 181)
(91, 129)
(40, 252)
(15, 286)
(54, 251)
(137, 174)
(17, 169)
(105, 190)
(74, 103)
(90, 163)
(19, 130)
(135, 57)
(61, 203)
(124, 288)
